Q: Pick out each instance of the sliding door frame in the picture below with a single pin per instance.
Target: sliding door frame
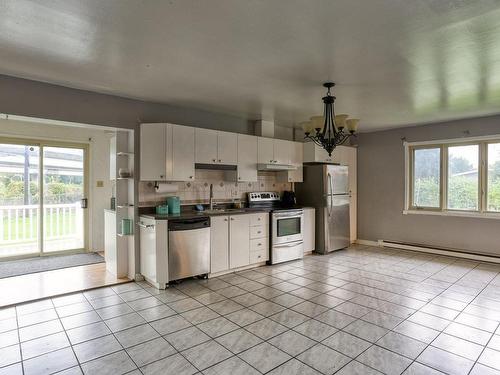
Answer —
(41, 143)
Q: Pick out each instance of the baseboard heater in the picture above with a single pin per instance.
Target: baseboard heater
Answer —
(439, 250)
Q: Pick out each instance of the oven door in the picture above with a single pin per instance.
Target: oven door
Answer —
(287, 226)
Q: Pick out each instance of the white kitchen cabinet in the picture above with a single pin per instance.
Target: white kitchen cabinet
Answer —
(350, 159)
(115, 254)
(154, 251)
(282, 151)
(182, 147)
(247, 157)
(265, 150)
(205, 146)
(315, 154)
(227, 148)
(309, 229)
(239, 241)
(153, 152)
(219, 243)
(215, 147)
(295, 151)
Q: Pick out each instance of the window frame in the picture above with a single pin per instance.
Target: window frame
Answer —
(443, 145)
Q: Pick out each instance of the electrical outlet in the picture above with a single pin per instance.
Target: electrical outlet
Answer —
(234, 193)
(100, 183)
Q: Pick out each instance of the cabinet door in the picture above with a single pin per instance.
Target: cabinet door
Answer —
(227, 148)
(296, 159)
(265, 150)
(282, 151)
(153, 152)
(219, 243)
(205, 146)
(247, 158)
(182, 153)
(309, 229)
(239, 241)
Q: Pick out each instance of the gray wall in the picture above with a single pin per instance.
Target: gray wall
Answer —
(36, 99)
(381, 191)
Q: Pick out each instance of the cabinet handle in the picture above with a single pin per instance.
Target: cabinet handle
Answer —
(161, 176)
(191, 177)
(239, 178)
(258, 232)
(232, 219)
(258, 256)
(213, 160)
(258, 219)
(259, 244)
(225, 219)
(220, 160)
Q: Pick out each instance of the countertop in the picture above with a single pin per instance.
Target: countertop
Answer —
(195, 214)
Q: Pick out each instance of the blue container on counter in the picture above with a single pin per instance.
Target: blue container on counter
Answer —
(162, 209)
(174, 205)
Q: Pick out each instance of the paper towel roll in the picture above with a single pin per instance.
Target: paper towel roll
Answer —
(163, 187)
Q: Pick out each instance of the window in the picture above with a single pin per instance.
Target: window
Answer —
(457, 177)
(463, 178)
(493, 196)
(427, 177)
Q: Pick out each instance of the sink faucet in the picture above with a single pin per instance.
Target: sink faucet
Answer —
(211, 201)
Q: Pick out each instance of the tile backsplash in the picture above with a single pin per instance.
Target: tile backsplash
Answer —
(198, 191)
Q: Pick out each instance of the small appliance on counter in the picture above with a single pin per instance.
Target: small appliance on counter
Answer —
(161, 209)
(174, 205)
(289, 199)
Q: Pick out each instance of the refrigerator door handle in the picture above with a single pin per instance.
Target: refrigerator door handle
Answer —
(330, 209)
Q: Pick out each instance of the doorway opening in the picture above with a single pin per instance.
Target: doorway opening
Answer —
(43, 198)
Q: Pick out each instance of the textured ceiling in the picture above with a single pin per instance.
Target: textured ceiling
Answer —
(396, 62)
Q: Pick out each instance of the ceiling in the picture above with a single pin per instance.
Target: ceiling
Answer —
(395, 62)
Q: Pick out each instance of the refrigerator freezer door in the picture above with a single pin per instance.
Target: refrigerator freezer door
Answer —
(337, 228)
(339, 179)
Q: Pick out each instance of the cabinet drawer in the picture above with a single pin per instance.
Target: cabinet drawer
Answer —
(259, 244)
(259, 256)
(259, 219)
(259, 231)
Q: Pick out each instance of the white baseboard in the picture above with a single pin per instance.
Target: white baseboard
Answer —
(456, 254)
(367, 242)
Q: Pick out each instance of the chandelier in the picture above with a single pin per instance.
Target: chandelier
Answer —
(329, 128)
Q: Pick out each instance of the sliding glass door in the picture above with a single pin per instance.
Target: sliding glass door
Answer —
(42, 194)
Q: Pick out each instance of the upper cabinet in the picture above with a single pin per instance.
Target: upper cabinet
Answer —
(167, 152)
(273, 151)
(153, 152)
(315, 154)
(265, 148)
(247, 158)
(182, 153)
(215, 147)
(296, 159)
(227, 148)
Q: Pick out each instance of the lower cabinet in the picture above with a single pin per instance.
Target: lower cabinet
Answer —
(219, 243)
(154, 251)
(238, 241)
(309, 229)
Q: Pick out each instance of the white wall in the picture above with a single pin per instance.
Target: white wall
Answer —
(99, 197)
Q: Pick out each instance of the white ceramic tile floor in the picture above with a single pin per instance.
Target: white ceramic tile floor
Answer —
(357, 311)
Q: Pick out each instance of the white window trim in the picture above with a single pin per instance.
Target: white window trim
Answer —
(444, 212)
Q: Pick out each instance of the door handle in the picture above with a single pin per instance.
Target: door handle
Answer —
(84, 203)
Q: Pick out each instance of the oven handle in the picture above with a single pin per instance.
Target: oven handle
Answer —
(290, 244)
(289, 214)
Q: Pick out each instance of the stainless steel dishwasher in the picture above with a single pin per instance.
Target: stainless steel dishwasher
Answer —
(188, 248)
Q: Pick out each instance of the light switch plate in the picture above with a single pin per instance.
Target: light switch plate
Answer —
(100, 183)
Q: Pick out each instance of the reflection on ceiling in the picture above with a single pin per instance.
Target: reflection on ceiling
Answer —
(395, 62)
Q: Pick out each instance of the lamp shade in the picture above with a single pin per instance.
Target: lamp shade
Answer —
(307, 126)
(318, 122)
(352, 124)
(340, 121)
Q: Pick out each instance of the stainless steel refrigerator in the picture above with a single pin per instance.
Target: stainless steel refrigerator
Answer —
(326, 188)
